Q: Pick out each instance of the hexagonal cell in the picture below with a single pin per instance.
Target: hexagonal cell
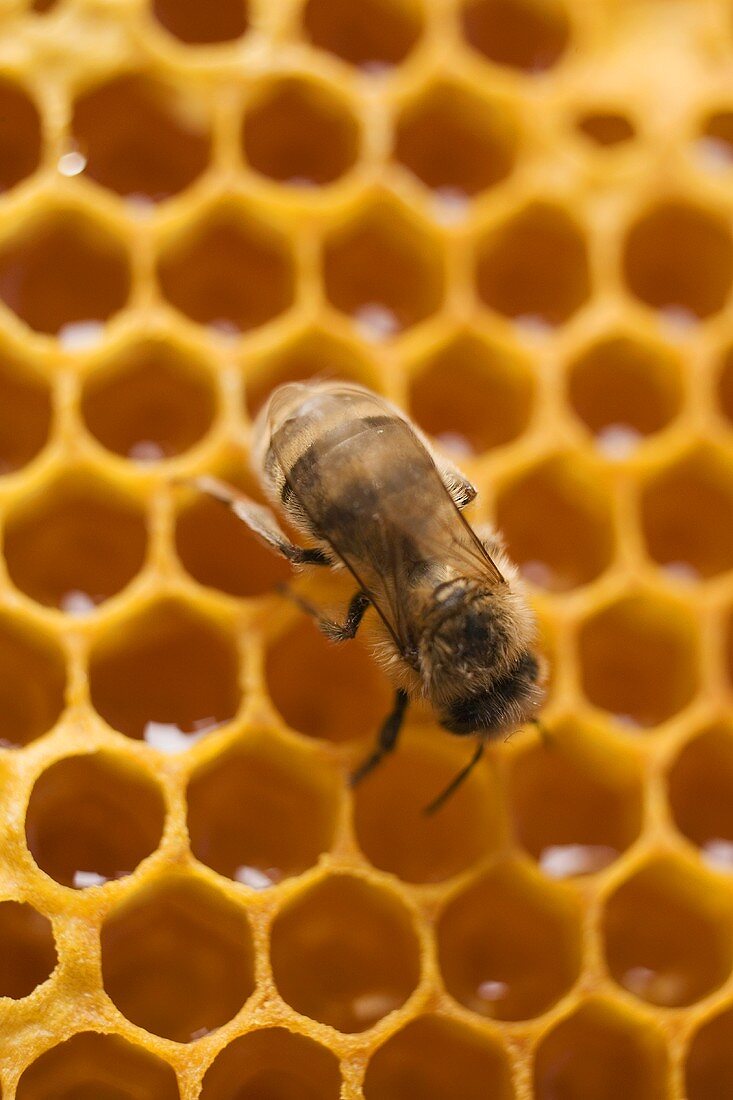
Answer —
(75, 543)
(455, 140)
(300, 132)
(714, 144)
(230, 270)
(140, 136)
(621, 382)
(638, 659)
(700, 791)
(189, 22)
(605, 128)
(177, 959)
(313, 354)
(384, 270)
(261, 814)
(531, 35)
(103, 1066)
(93, 818)
(591, 802)
(396, 834)
(220, 551)
(32, 682)
(666, 931)
(152, 400)
(709, 1062)
(370, 33)
(273, 1063)
(534, 267)
(345, 953)
(687, 513)
(25, 412)
(62, 267)
(352, 696)
(20, 135)
(438, 1059)
(556, 519)
(28, 953)
(680, 257)
(184, 667)
(509, 944)
(472, 395)
(600, 1053)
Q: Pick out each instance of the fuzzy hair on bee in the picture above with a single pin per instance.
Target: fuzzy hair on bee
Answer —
(369, 495)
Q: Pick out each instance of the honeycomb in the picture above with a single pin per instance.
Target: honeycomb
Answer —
(513, 218)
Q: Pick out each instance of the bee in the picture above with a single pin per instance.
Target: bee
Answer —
(354, 476)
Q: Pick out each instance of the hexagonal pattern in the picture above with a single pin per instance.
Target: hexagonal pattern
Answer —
(512, 218)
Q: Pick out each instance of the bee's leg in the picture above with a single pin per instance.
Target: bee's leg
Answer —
(336, 632)
(261, 522)
(460, 488)
(387, 738)
(456, 781)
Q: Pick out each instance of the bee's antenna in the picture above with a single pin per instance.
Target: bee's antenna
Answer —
(456, 781)
(544, 733)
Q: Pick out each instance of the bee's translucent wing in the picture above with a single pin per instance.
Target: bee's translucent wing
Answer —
(371, 489)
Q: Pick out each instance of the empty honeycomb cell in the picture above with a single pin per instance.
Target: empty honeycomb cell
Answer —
(700, 790)
(177, 959)
(509, 945)
(313, 354)
(183, 667)
(197, 25)
(530, 35)
(27, 949)
(258, 816)
(273, 1064)
(556, 520)
(383, 269)
(338, 694)
(679, 257)
(370, 33)
(534, 267)
(606, 128)
(20, 135)
(93, 818)
(591, 802)
(501, 389)
(229, 270)
(667, 934)
(220, 551)
(62, 268)
(638, 659)
(715, 139)
(32, 682)
(455, 140)
(300, 132)
(106, 1067)
(345, 953)
(709, 1063)
(396, 834)
(25, 412)
(623, 382)
(152, 400)
(687, 513)
(140, 137)
(600, 1053)
(437, 1059)
(75, 542)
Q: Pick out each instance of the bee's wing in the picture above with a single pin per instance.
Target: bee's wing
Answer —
(371, 489)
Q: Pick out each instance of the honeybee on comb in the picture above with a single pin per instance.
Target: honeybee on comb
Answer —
(353, 475)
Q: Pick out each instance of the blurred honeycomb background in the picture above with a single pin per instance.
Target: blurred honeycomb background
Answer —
(513, 217)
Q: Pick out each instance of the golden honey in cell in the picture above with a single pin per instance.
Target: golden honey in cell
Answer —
(350, 472)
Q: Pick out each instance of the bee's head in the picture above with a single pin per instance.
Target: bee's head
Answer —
(478, 661)
(499, 705)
